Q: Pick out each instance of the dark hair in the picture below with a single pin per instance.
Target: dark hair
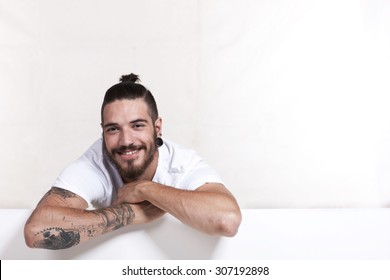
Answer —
(129, 88)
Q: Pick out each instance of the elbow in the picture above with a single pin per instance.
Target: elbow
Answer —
(29, 234)
(31, 229)
(230, 224)
(40, 235)
(34, 229)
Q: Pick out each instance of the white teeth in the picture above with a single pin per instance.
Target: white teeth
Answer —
(130, 153)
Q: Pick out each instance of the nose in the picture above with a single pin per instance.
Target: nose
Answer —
(126, 138)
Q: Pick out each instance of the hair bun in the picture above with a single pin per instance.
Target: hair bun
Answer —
(129, 78)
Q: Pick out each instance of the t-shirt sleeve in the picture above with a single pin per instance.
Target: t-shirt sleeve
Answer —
(198, 175)
(83, 179)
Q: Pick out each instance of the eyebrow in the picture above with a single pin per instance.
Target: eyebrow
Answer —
(109, 124)
(132, 122)
(139, 120)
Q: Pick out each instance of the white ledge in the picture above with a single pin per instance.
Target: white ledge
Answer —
(272, 234)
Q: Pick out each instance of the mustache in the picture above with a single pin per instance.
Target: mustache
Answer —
(123, 149)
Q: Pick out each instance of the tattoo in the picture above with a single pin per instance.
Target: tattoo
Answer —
(60, 192)
(112, 218)
(116, 217)
(57, 238)
(90, 232)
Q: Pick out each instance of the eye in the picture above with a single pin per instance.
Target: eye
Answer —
(111, 129)
(138, 125)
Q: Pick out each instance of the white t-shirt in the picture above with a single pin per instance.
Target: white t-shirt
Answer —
(96, 179)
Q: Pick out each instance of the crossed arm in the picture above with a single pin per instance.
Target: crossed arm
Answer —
(211, 208)
(61, 220)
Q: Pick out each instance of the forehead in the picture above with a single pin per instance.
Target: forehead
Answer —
(126, 110)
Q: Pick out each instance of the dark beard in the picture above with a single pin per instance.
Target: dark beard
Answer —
(131, 173)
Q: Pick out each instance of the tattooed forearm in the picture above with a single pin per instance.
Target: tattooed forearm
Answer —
(77, 226)
(57, 238)
(116, 217)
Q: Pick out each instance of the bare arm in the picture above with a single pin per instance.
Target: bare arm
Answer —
(211, 208)
(61, 220)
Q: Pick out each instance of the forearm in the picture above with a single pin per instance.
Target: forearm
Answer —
(56, 227)
(53, 227)
(212, 212)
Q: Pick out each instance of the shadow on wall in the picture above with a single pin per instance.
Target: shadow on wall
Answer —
(166, 238)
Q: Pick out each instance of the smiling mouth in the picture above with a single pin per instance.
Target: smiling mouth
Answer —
(128, 153)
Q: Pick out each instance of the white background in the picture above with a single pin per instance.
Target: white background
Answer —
(288, 100)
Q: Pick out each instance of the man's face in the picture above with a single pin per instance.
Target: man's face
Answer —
(129, 138)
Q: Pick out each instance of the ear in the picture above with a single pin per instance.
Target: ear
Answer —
(158, 126)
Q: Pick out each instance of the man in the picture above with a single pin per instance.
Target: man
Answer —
(131, 176)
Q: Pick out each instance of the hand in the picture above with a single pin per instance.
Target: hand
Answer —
(130, 192)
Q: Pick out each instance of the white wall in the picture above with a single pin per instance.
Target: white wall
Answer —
(289, 100)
